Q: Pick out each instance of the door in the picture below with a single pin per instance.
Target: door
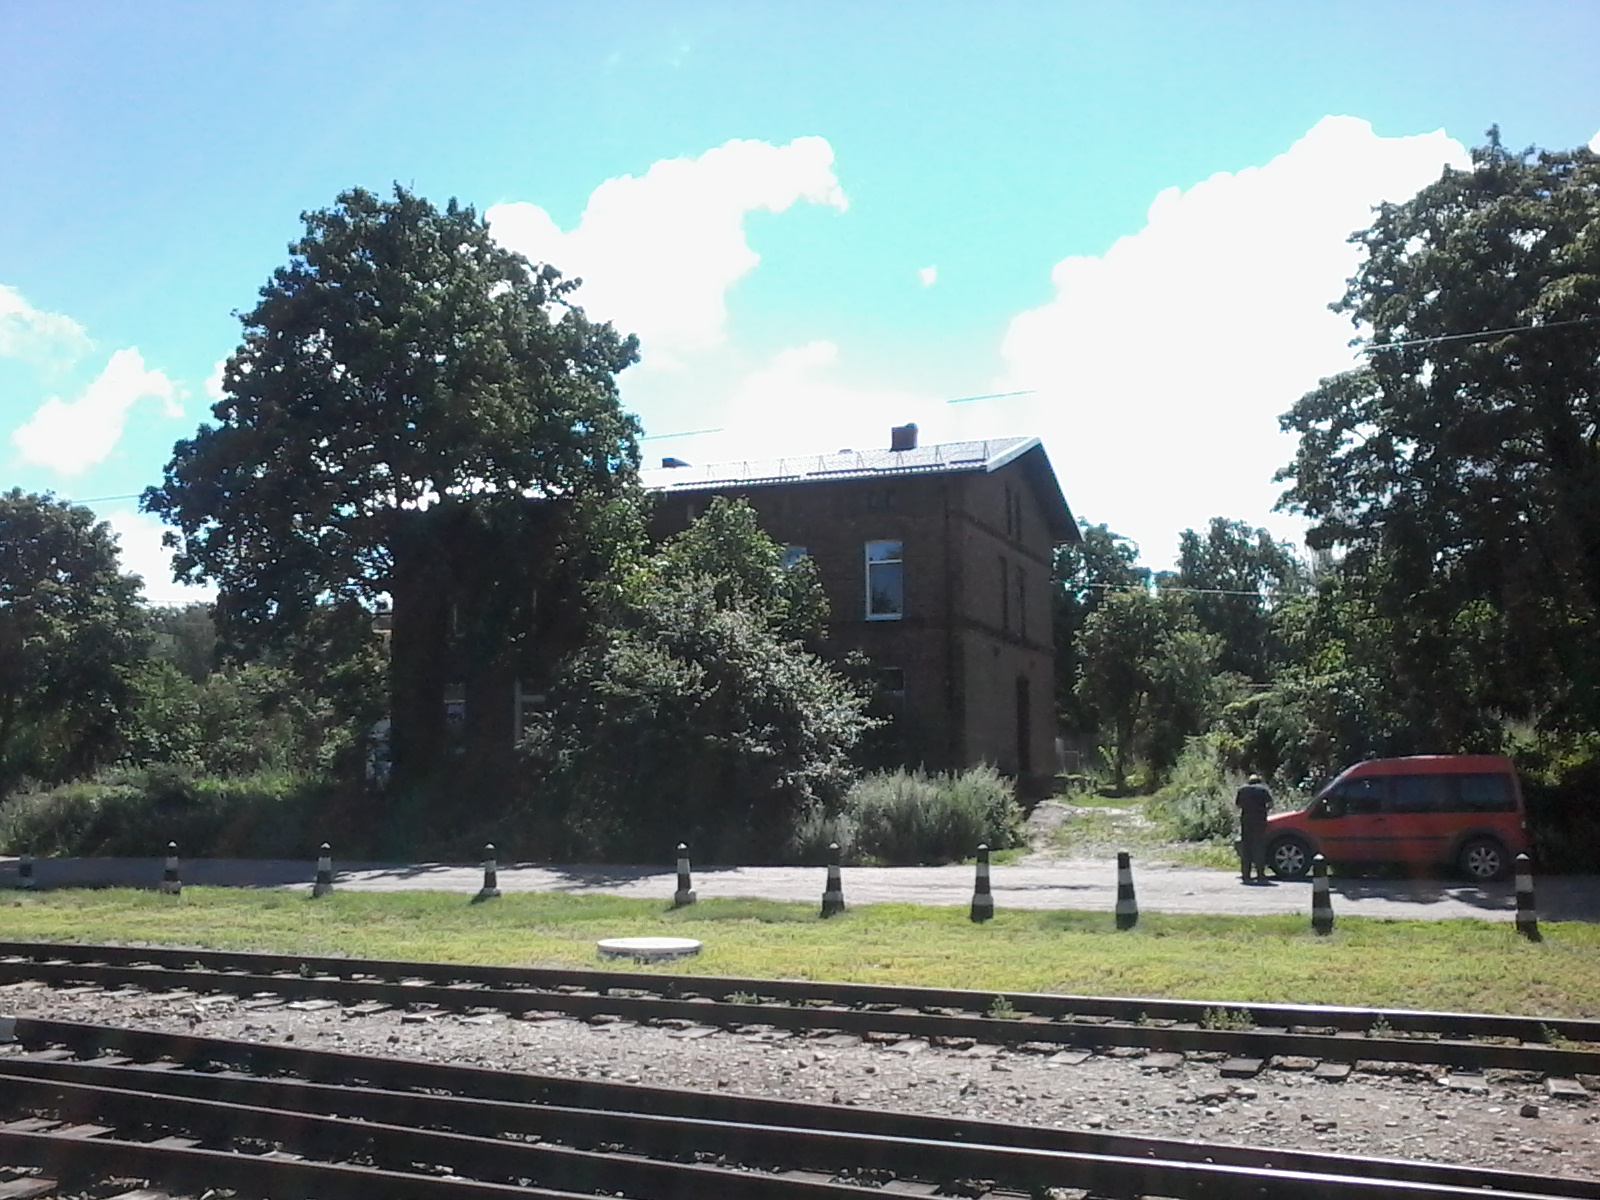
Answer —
(1422, 826)
(1350, 821)
(1024, 728)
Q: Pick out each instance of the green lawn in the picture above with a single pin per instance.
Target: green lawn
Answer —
(1471, 965)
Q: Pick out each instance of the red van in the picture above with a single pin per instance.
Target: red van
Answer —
(1460, 809)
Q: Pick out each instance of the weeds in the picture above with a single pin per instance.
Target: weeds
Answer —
(1380, 1029)
(1237, 1019)
(1002, 1009)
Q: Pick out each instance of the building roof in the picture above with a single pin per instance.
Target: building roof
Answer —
(947, 458)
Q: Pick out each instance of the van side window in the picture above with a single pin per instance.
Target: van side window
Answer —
(1421, 794)
(1355, 797)
(1486, 793)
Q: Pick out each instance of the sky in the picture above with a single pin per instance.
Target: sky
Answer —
(821, 220)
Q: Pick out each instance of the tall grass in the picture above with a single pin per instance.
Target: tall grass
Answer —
(1196, 805)
(138, 811)
(905, 818)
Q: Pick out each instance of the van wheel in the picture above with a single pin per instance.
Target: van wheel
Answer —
(1289, 858)
(1483, 859)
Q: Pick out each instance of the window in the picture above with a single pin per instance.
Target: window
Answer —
(1354, 797)
(1022, 602)
(1005, 594)
(893, 682)
(524, 702)
(886, 586)
(1008, 510)
(1420, 793)
(792, 555)
(1013, 513)
(1486, 793)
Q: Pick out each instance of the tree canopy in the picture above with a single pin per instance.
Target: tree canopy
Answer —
(70, 632)
(1459, 466)
(402, 360)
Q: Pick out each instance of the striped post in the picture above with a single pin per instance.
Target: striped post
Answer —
(491, 873)
(833, 894)
(25, 879)
(324, 883)
(1321, 899)
(982, 899)
(1527, 914)
(170, 883)
(684, 896)
(1127, 904)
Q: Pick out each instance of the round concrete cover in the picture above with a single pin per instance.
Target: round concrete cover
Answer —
(648, 949)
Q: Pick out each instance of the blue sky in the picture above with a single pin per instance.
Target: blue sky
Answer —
(822, 219)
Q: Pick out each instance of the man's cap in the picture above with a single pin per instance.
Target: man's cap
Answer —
(1255, 779)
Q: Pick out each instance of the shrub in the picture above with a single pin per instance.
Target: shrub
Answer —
(900, 818)
(1197, 803)
(137, 812)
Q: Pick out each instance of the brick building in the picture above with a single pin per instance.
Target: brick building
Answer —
(937, 563)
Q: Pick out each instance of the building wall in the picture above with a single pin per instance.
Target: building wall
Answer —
(961, 643)
(1006, 629)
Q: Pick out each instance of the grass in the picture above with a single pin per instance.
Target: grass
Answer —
(1468, 965)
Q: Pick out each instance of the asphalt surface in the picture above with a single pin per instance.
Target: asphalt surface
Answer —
(1083, 884)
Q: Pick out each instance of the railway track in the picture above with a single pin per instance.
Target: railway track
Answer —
(84, 1104)
(1561, 1048)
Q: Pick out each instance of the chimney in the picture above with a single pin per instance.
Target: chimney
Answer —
(903, 437)
(673, 462)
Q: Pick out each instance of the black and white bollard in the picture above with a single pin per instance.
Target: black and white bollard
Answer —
(491, 873)
(1321, 898)
(1127, 904)
(491, 876)
(833, 894)
(170, 884)
(25, 879)
(684, 896)
(982, 898)
(324, 882)
(1527, 914)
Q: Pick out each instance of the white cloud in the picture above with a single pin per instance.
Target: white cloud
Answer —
(658, 253)
(1161, 366)
(929, 276)
(139, 539)
(69, 436)
(30, 333)
(795, 405)
(213, 385)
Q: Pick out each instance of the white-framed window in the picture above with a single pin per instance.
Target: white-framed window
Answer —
(792, 555)
(886, 581)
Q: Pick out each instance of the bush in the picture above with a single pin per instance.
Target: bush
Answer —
(902, 818)
(1197, 804)
(137, 812)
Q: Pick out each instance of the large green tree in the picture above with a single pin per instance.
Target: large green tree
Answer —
(71, 633)
(1149, 677)
(402, 378)
(1237, 576)
(1459, 466)
(695, 710)
(1086, 573)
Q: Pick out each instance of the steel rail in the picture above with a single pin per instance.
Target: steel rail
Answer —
(754, 1131)
(1262, 1043)
(498, 1160)
(1052, 1006)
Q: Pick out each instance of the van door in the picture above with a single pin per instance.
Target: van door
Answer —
(1351, 823)
(1422, 825)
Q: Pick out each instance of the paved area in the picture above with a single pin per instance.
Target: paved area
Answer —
(1077, 883)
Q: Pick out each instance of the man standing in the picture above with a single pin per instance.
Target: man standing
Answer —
(1253, 802)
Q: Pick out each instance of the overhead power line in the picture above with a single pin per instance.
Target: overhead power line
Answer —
(990, 396)
(661, 437)
(1479, 336)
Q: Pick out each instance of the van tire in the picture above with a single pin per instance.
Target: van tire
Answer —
(1289, 857)
(1483, 860)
